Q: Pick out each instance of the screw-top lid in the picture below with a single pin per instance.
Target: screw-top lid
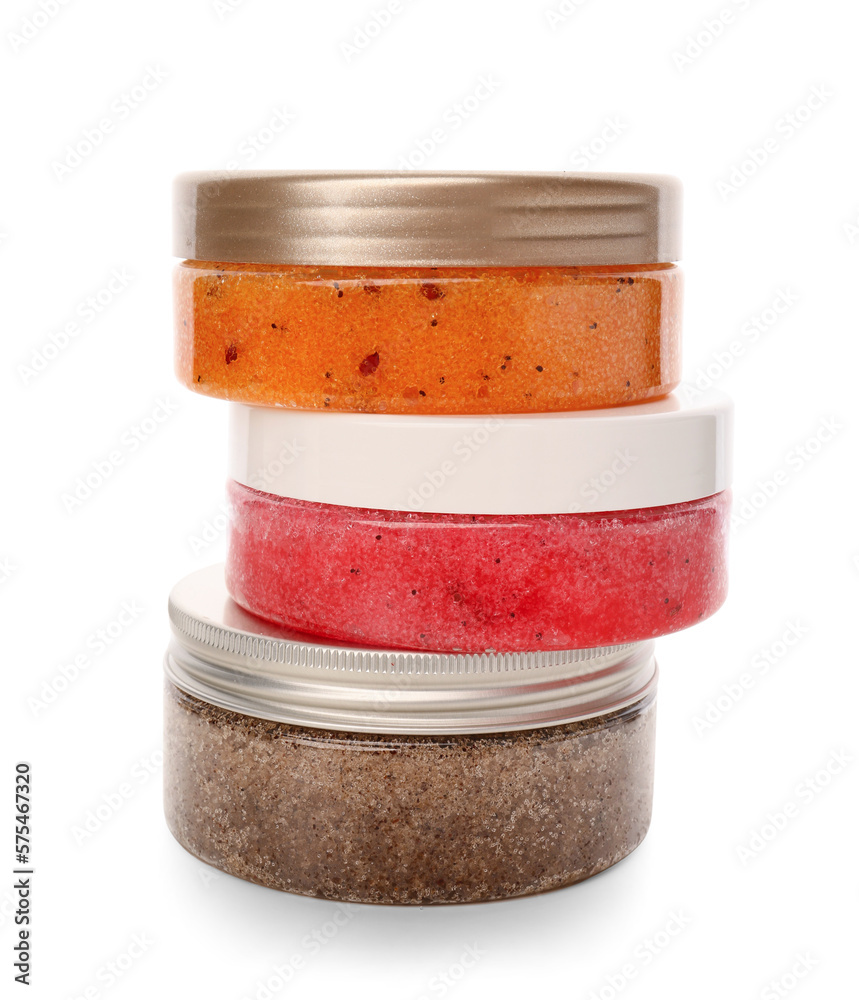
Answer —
(411, 219)
(229, 658)
(672, 450)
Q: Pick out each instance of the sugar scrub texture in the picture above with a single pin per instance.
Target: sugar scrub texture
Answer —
(450, 582)
(428, 340)
(406, 819)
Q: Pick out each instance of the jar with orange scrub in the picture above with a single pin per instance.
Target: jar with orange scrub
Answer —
(410, 293)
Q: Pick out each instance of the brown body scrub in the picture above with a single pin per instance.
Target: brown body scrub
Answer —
(518, 797)
(407, 819)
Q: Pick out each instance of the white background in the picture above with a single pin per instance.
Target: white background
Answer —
(608, 69)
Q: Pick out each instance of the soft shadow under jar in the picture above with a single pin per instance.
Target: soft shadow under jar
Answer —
(381, 776)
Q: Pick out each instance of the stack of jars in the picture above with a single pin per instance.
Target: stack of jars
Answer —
(463, 502)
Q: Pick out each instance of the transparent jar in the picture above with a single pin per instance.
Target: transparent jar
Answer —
(547, 532)
(476, 582)
(428, 293)
(371, 776)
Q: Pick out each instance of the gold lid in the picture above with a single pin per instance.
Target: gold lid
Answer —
(413, 219)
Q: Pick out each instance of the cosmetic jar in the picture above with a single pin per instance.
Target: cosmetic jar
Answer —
(471, 533)
(428, 293)
(379, 776)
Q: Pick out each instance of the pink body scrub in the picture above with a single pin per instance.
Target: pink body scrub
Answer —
(448, 582)
(513, 532)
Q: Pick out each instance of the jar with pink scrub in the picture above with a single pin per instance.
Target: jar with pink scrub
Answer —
(473, 533)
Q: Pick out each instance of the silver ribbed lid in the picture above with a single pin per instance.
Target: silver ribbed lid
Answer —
(229, 658)
(414, 219)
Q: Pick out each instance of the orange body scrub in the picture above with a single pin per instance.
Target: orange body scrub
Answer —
(428, 293)
(428, 340)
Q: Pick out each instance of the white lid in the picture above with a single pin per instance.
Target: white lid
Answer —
(624, 458)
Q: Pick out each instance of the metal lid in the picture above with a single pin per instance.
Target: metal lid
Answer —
(229, 658)
(411, 219)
